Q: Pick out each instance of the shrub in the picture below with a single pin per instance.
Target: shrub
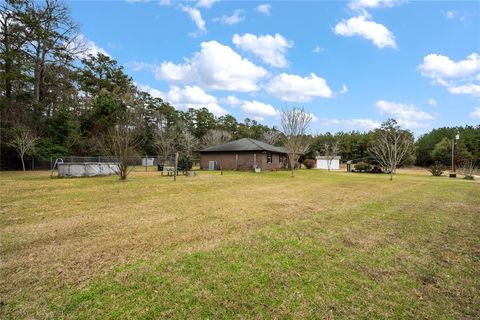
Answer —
(362, 167)
(437, 169)
(309, 163)
(185, 163)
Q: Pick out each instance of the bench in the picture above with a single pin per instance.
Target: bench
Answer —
(168, 170)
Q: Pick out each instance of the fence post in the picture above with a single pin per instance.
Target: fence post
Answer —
(176, 165)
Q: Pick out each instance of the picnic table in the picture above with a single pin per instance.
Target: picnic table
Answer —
(170, 170)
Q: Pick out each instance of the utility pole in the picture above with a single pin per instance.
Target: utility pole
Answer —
(454, 141)
(453, 154)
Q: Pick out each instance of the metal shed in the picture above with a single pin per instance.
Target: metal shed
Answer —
(323, 162)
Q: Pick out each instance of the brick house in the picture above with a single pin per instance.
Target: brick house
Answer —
(243, 154)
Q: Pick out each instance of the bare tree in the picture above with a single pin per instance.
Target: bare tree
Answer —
(271, 137)
(295, 125)
(122, 143)
(215, 137)
(189, 143)
(166, 139)
(24, 142)
(330, 150)
(391, 146)
(469, 169)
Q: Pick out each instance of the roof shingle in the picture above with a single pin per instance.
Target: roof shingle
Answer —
(245, 144)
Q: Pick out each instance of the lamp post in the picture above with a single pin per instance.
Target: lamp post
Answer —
(453, 174)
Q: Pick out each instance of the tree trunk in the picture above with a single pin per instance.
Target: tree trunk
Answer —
(23, 162)
(41, 82)
(36, 76)
(292, 166)
(8, 62)
(123, 172)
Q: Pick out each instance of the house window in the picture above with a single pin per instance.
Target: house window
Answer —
(269, 157)
(280, 158)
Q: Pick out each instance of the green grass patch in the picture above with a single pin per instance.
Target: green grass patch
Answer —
(241, 245)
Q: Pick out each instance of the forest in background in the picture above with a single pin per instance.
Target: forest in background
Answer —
(52, 90)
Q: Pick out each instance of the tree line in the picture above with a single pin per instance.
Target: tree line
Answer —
(429, 148)
(58, 100)
(67, 101)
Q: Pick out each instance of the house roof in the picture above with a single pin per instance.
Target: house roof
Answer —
(245, 144)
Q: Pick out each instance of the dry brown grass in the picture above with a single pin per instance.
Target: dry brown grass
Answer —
(63, 238)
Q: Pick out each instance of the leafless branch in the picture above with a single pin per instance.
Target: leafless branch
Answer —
(390, 147)
(215, 137)
(23, 142)
(295, 125)
(122, 143)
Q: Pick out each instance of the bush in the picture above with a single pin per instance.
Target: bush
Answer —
(437, 169)
(309, 163)
(185, 163)
(362, 167)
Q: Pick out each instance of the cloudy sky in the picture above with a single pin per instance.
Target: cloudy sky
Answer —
(350, 64)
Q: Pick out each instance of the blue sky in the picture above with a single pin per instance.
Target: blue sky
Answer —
(351, 64)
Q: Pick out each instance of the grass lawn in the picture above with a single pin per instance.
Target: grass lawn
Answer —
(242, 245)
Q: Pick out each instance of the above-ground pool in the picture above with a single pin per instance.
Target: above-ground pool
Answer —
(87, 169)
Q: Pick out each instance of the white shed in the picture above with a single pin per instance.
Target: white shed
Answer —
(322, 163)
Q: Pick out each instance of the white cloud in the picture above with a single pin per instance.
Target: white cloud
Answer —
(188, 97)
(317, 49)
(471, 88)
(361, 26)
(362, 123)
(270, 49)
(313, 117)
(86, 47)
(432, 102)
(258, 109)
(456, 15)
(351, 124)
(264, 8)
(235, 18)
(475, 113)
(232, 101)
(451, 14)
(294, 88)
(206, 3)
(371, 4)
(175, 72)
(215, 66)
(462, 74)
(196, 17)
(344, 89)
(194, 97)
(439, 66)
(152, 91)
(407, 115)
(139, 66)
